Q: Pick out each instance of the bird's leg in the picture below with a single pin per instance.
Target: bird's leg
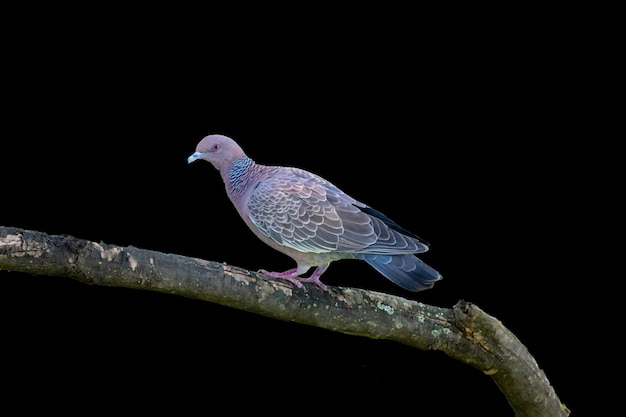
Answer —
(315, 277)
(291, 275)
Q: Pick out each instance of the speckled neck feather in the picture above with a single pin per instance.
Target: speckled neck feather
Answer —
(239, 176)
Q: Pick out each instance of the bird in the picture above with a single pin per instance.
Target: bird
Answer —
(309, 219)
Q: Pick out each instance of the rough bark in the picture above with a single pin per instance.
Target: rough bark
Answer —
(463, 332)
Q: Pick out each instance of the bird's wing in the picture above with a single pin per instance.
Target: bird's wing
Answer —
(303, 211)
(392, 238)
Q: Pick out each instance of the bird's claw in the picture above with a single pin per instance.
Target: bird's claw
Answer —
(294, 281)
(316, 281)
(291, 276)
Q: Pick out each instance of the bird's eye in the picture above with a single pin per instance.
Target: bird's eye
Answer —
(215, 147)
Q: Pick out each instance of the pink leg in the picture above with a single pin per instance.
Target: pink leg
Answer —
(292, 276)
(315, 277)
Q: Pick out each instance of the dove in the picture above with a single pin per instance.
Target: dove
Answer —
(309, 219)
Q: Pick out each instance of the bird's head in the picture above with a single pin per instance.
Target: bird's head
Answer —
(219, 150)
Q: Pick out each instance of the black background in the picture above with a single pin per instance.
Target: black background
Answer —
(450, 136)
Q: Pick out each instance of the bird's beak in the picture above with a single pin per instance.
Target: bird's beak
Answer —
(193, 157)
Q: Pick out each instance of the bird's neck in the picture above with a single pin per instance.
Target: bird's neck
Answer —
(239, 176)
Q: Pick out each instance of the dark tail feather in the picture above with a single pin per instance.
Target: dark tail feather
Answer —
(407, 271)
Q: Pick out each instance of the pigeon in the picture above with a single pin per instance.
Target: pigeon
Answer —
(309, 219)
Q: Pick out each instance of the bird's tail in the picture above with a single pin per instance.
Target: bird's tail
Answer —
(407, 271)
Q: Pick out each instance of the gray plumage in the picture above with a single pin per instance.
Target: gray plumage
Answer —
(309, 219)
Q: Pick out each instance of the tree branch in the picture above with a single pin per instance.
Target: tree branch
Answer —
(465, 332)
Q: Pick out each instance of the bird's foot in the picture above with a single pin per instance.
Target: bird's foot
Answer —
(296, 280)
(315, 280)
(315, 277)
(289, 275)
